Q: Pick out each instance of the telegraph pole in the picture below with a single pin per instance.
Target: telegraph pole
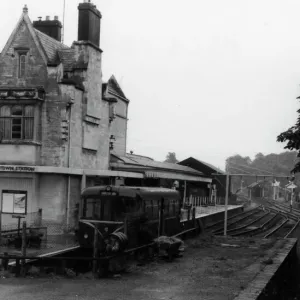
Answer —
(226, 203)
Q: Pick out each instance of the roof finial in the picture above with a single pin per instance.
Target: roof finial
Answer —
(25, 9)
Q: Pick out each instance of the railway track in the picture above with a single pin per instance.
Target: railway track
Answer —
(272, 220)
(233, 219)
(240, 226)
(259, 226)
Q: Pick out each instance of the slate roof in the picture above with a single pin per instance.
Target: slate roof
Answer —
(146, 162)
(67, 57)
(113, 87)
(50, 45)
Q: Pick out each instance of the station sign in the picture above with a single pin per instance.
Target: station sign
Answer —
(8, 168)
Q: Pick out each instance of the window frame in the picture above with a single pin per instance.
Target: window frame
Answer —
(14, 192)
(13, 117)
(22, 65)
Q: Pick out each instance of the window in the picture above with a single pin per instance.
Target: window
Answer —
(17, 122)
(22, 65)
(14, 202)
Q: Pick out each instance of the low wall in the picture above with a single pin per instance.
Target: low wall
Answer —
(270, 283)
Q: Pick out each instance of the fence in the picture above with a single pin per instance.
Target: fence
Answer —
(54, 232)
(204, 201)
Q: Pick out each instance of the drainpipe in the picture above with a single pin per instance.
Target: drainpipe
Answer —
(69, 161)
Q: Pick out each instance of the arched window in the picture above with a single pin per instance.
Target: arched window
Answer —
(17, 122)
(22, 65)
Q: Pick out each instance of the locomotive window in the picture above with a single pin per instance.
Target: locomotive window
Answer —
(131, 205)
(91, 209)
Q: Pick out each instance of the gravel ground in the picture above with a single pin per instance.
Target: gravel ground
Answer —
(211, 268)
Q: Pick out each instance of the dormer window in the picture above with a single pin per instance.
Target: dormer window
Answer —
(22, 65)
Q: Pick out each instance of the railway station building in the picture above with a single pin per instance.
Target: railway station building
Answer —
(58, 120)
(61, 127)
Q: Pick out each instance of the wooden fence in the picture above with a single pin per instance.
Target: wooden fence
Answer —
(204, 201)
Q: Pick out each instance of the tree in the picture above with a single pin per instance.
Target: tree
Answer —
(270, 164)
(171, 158)
(292, 137)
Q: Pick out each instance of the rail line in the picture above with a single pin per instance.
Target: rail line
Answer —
(276, 230)
(281, 222)
(253, 221)
(260, 228)
(243, 215)
(292, 230)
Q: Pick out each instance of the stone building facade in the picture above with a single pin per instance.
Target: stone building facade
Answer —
(58, 121)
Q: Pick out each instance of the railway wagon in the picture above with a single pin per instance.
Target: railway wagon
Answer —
(133, 215)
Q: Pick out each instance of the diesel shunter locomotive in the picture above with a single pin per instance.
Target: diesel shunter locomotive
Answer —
(132, 215)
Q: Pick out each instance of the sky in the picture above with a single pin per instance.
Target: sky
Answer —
(208, 79)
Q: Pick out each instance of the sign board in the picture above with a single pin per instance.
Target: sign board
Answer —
(108, 193)
(18, 216)
(6, 168)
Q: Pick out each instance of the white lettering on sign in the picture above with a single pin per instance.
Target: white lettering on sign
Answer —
(16, 169)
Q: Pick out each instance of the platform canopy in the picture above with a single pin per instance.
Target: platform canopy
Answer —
(155, 169)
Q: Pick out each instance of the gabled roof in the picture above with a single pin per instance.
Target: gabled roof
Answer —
(200, 165)
(25, 19)
(47, 46)
(113, 88)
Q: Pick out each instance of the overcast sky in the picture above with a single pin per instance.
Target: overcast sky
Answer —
(207, 79)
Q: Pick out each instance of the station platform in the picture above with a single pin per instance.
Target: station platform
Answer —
(209, 214)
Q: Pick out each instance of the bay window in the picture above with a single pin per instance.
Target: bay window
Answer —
(17, 122)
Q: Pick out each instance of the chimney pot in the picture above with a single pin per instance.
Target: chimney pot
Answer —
(89, 19)
(50, 27)
(25, 9)
(56, 18)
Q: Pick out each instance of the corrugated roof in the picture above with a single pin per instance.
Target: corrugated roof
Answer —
(50, 45)
(217, 170)
(158, 165)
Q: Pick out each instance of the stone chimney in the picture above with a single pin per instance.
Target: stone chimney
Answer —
(49, 27)
(89, 18)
